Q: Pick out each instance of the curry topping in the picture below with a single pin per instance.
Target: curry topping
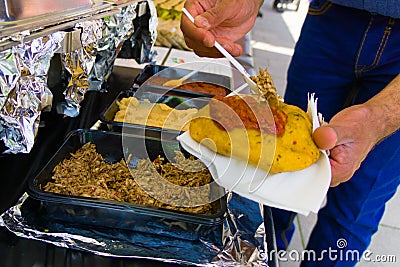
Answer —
(226, 111)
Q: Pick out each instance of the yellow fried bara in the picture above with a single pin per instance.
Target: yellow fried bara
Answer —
(286, 147)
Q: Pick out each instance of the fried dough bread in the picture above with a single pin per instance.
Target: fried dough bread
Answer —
(277, 141)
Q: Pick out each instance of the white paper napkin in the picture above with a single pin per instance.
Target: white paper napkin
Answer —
(301, 191)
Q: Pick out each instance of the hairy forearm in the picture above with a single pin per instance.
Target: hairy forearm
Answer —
(385, 110)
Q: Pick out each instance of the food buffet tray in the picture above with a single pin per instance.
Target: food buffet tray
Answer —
(114, 214)
(148, 84)
(175, 99)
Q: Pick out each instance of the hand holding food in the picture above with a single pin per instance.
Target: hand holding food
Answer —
(265, 132)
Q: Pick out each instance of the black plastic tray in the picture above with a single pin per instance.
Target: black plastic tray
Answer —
(153, 76)
(147, 72)
(176, 99)
(103, 213)
(147, 84)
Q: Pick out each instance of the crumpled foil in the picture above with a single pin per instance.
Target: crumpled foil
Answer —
(79, 63)
(239, 241)
(145, 35)
(24, 92)
(116, 29)
(10, 73)
(91, 65)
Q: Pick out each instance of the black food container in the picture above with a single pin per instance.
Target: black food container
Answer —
(119, 215)
(147, 72)
(154, 76)
(148, 85)
(172, 98)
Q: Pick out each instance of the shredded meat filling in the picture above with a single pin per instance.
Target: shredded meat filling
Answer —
(87, 174)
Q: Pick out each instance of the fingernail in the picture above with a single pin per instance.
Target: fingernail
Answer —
(233, 50)
(227, 47)
(236, 51)
(208, 42)
(201, 21)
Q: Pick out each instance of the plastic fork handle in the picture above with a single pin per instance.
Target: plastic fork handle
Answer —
(190, 74)
(190, 17)
(231, 59)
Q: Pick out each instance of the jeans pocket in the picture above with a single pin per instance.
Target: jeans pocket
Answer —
(319, 7)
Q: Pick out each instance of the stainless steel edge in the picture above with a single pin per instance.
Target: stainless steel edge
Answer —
(13, 32)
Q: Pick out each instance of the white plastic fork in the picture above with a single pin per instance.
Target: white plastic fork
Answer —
(246, 76)
(237, 90)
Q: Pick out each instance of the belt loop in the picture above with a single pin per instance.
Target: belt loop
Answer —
(390, 24)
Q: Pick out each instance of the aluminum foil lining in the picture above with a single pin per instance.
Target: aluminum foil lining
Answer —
(145, 35)
(10, 73)
(239, 241)
(91, 65)
(79, 63)
(24, 92)
(116, 29)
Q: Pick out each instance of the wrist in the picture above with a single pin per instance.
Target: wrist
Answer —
(378, 121)
(384, 109)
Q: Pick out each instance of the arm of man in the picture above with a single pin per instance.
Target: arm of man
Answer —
(223, 20)
(353, 132)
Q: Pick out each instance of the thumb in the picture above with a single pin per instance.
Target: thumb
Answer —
(325, 137)
(212, 17)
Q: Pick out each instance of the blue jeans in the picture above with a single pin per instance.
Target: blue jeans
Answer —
(346, 56)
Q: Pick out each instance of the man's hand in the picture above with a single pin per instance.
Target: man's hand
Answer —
(349, 136)
(223, 20)
(354, 131)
